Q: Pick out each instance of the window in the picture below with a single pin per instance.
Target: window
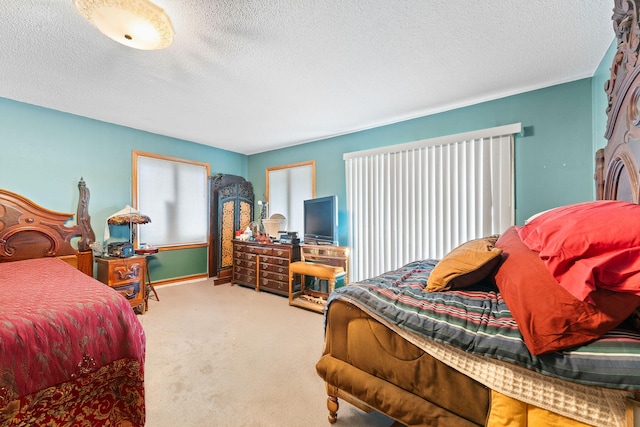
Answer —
(421, 199)
(173, 193)
(288, 187)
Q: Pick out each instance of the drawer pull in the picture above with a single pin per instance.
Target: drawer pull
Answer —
(130, 291)
(265, 267)
(127, 272)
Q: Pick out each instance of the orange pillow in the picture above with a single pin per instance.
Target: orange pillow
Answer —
(465, 265)
(548, 316)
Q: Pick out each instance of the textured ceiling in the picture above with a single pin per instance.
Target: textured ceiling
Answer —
(255, 75)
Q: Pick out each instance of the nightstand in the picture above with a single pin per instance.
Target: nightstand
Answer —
(127, 276)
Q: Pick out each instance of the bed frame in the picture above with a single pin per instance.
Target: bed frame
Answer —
(96, 390)
(617, 174)
(28, 230)
(617, 177)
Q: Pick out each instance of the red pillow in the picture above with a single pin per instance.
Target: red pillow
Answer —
(548, 316)
(589, 245)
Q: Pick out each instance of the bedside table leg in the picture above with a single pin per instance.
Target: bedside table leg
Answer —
(150, 286)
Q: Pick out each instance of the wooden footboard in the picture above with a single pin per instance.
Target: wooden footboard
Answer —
(401, 381)
(371, 367)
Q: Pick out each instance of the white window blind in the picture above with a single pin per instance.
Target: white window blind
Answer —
(173, 193)
(420, 200)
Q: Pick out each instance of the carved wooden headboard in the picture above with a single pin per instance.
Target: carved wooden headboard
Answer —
(28, 230)
(617, 175)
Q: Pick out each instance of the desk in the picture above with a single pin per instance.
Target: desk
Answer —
(312, 299)
(324, 262)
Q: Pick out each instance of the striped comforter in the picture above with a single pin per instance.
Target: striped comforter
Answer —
(478, 321)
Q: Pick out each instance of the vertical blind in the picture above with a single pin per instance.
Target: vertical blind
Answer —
(420, 200)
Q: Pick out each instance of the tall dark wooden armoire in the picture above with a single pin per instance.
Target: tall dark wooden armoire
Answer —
(231, 208)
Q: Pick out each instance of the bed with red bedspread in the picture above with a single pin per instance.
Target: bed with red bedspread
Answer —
(71, 349)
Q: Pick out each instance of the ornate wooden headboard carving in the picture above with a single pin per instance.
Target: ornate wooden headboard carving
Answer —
(28, 230)
(617, 175)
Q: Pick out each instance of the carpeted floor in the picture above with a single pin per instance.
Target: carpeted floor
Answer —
(230, 356)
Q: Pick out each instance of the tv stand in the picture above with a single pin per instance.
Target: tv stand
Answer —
(320, 243)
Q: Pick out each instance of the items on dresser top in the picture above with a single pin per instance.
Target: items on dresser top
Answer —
(120, 250)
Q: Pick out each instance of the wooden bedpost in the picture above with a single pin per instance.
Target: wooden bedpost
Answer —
(599, 174)
(83, 218)
(332, 403)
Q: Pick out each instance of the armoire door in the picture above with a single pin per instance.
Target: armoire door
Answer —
(231, 209)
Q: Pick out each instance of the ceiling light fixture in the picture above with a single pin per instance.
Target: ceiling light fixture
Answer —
(135, 23)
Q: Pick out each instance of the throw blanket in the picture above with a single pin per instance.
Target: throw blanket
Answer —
(477, 321)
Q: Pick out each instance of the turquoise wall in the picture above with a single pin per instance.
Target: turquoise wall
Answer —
(553, 160)
(45, 152)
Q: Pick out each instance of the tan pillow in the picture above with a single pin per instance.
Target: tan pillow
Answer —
(465, 265)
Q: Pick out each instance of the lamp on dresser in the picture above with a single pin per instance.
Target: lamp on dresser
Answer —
(130, 276)
(130, 217)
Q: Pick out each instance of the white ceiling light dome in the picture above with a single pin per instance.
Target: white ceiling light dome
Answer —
(139, 24)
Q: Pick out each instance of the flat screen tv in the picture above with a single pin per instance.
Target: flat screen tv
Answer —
(321, 221)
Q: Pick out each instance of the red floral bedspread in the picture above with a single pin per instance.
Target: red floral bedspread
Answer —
(59, 327)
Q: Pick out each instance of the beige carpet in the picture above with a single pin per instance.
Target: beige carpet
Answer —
(230, 356)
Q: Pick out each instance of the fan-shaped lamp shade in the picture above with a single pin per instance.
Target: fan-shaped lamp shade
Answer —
(135, 23)
(127, 216)
(130, 218)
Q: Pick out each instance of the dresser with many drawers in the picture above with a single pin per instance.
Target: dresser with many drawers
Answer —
(264, 267)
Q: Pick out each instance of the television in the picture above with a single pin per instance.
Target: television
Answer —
(321, 221)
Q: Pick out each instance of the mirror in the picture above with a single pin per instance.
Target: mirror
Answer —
(288, 186)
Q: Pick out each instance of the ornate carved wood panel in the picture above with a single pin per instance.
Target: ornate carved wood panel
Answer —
(231, 209)
(619, 170)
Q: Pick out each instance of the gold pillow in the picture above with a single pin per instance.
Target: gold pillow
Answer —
(465, 265)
